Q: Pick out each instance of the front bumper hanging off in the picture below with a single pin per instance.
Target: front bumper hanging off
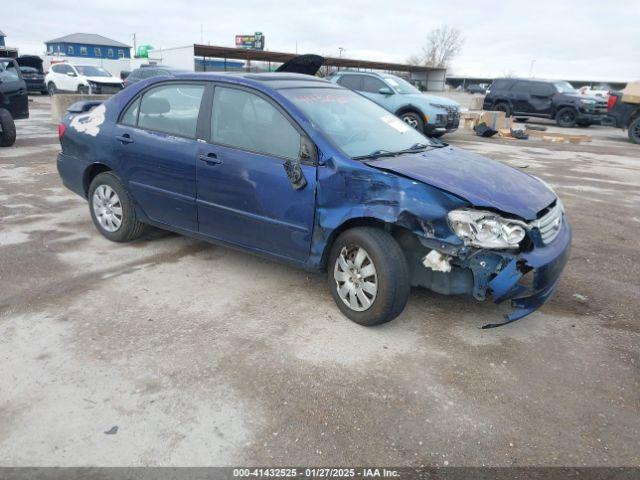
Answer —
(545, 264)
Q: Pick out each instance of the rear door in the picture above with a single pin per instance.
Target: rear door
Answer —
(519, 94)
(156, 141)
(244, 194)
(541, 98)
(13, 89)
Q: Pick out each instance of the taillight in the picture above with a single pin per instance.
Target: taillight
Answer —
(61, 129)
(611, 102)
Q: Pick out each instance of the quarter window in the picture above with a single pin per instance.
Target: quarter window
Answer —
(171, 109)
(247, 121)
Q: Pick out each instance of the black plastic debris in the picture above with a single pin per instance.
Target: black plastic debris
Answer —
(112, 431)
(482, 130)
(519, 133)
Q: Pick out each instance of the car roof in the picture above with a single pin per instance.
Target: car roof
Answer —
(273, 81)
(351, 72)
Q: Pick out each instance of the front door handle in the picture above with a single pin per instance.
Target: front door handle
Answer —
(125, 138)
(210, 159)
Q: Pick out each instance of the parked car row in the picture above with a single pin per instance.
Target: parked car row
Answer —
(83, 79)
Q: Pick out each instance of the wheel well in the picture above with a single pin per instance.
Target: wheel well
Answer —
(399, 232)
(91, 173)
(408, 109)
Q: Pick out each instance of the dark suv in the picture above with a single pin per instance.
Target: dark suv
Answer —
(14, 103)
(557, 100)
(624, 115)
(149, 71)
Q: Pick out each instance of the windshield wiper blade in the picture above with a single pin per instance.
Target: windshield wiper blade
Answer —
(376, 154)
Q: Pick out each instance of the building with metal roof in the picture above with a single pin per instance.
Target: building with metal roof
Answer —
(87, 45)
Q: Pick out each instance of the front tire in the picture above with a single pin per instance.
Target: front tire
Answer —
(634, 130)
(51, 88)
(83, 90)
(368, 276)
(112, 209)
(8, 134)
(566, 117)
(413, 120)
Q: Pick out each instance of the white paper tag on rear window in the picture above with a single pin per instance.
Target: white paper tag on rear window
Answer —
(396, 123)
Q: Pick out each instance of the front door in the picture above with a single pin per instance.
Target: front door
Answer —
(542, 98)
(157, 148)
(244, 194)
(13, 90)
(371, 89)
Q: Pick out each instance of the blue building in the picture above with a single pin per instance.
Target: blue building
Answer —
(2, 35)
(88, 45)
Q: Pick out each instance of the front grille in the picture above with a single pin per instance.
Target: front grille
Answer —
(107, 89)
(549, 224)
(453, 116)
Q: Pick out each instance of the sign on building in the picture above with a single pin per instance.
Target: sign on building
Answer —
(250, 42)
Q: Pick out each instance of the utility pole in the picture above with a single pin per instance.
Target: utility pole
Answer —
(135, 49)
(531, 68)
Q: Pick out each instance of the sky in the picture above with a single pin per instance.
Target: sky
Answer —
(555, 39)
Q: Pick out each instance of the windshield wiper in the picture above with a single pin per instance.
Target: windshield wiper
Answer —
(376, 154)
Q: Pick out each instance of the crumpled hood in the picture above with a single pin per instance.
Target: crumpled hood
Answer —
(479, 180)
(106, 80)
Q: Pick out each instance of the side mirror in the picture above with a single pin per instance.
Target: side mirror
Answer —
(385, 91)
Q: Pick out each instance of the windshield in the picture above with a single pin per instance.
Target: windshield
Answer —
(400, 85)
(564, 87)
(91, 71)
(355, 124)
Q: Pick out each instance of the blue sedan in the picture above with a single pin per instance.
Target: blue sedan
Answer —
(305, 171)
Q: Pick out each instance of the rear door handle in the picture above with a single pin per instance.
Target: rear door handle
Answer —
(210, 159)
(125, 138)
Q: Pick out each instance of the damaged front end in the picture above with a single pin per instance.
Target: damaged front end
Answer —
(527, 274)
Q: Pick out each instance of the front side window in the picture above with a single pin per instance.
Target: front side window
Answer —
(353, 123)
(247, 121)
(171, 109)
(130, 116)
(400, 85)
(564, 87)
(352, 82)
(91, 71)
(542, 89)
(372, 85)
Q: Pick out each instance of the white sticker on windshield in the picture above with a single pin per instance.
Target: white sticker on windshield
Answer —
(89, 123)
(395, 122)
(392, 82)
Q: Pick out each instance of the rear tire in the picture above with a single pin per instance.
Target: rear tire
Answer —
(503, 107)
(413, 120)
(566, 117)
(8, 134)
(368, 276)
(112, 209)
(634, 130)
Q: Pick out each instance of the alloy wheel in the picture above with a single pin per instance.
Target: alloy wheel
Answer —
(356, 278)
(411, 121)
(107, 208)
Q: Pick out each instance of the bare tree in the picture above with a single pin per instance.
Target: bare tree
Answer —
(442, 45)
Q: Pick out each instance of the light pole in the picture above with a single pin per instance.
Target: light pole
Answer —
(531, 68)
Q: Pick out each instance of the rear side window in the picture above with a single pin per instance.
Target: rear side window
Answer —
(372, 85)
(170, 108)
(352, 82)
(499, 84)
(247, 121)
(521, 87)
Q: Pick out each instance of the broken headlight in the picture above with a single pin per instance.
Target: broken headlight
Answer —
(486, 229)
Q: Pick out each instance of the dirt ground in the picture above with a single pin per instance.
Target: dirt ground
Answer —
(202, 355)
